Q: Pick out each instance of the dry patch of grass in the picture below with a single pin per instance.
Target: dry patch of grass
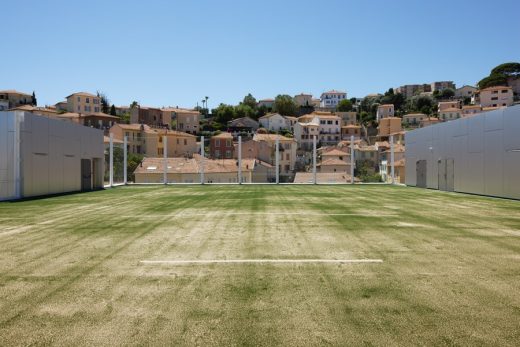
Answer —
(70, 271)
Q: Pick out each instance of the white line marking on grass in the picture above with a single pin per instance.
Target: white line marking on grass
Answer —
(258, 261)
(260, 214)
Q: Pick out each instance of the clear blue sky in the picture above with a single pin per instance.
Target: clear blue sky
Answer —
(176, 52)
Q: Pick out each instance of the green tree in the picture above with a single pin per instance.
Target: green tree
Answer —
(260, 112)
(244, 110)
(250, 101)
(224, 113)
(285, 105)
(500, 74)
(423, 104)
(105, 103)
(34, 102)
(507, 69)
(492, 81)
(344, 105)
(448, 93)
(113, 110)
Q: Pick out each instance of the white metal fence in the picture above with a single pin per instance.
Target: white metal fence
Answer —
(126, 162)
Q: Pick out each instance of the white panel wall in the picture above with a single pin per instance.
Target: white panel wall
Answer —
(485, 149)
(50, 152)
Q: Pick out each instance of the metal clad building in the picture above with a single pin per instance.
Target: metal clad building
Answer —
(41, 156)
(478, 155)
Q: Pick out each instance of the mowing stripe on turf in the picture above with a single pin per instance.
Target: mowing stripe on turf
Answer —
(258, 261)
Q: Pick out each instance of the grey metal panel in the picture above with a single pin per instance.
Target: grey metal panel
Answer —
(460, 148)
(493, 120)
(484, 160)
(474, 175)
(40, 176)
(26, 151)
(511, 128)
(459, 127)
(493, 163)
(56, 173)
(512, 174)
(40, 135)
(475, 134)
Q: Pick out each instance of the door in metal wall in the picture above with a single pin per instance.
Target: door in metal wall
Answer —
(443, 184)
(446, 174)
(421, 173)
(450, 175)
(86, 175)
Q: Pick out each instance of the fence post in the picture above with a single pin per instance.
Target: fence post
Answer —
(277, 159)
(111, 160)
(392, 158)
(352, 159)
(239, 159)
(202, 160)
(314, 159)
(125, 160)
(165, 154)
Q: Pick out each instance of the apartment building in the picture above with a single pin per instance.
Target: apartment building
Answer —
(348, 118)
(242, 125)
(367, 154)
(465, 92)
(262, 147)
(304, 134)
(384, 111)
(151, 116)
(221, 146)
(142, 139)
(499, 96)
(471, 110)
(274, 122)
(332, 98)
(303, 100)
(186, 120)
(83, 102)
(267, 103)
(410, 90)
(347, 131)
(388, 126)
(427, 121)
(413, 118)
(450, 114)
(442, 85)
(330, 129)
(444, 105)
(13, 98)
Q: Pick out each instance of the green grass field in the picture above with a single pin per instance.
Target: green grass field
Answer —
(71, 271)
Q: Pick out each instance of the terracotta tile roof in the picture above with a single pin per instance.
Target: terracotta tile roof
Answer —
(495, 88)
(82, 94)
(414, 115)
(106, 140)
(12, 91)
(192, 165)
(333, 91)
(386, 105)
(271, 137)
(334, 151)
(470, 107)
(351, 126)
(333, 162)
(223, 135)
(269, 115)
(180, 110)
